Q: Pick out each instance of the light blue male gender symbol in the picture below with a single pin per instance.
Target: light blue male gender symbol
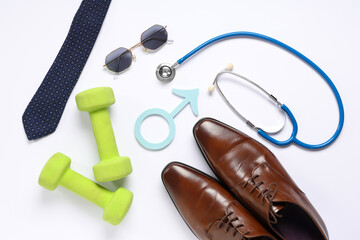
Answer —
(190, 96)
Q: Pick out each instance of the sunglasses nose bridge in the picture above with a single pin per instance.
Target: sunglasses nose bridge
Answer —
(135, 46)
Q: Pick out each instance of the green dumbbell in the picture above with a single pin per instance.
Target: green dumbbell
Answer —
(57, 172)
(112, 166)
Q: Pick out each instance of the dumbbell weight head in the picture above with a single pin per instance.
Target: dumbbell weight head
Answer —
(112, 170)
(95, 99)
(54, 171)
(118, 206)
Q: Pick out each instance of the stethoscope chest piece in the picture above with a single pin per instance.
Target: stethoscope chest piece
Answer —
(165, 72)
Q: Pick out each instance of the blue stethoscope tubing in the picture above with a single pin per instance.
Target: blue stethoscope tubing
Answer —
(292, 138)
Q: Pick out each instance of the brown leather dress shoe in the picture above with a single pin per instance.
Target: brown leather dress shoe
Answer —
(259, 181)
(209, 210)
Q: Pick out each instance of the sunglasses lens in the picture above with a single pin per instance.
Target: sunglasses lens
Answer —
(154, 37)
(118, 60)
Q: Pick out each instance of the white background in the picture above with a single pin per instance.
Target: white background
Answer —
(32, 33)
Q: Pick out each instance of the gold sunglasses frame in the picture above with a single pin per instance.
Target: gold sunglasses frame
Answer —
(138, 45)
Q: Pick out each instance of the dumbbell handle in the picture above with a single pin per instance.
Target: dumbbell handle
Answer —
(86, 188)
(104, 134)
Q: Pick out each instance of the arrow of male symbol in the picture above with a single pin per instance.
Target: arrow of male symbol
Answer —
(190, 97)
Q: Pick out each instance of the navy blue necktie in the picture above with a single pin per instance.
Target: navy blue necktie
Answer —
(44, 111)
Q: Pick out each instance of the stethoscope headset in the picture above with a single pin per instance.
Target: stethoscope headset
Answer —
(166, 72)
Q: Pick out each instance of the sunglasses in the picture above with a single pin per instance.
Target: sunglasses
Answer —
(121, 58)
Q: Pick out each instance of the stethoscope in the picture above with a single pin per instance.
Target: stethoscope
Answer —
(166, 72)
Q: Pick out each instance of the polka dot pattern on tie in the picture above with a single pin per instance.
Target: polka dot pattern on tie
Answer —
(44, 111)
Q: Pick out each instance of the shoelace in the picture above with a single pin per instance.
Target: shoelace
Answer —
(235, 227)
(268, 193)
